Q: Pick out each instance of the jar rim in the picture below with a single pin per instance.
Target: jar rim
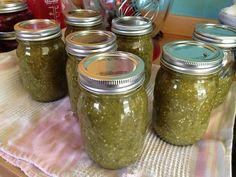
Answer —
(37, 30)
(83, 18)
(11, 6)
(7, 36)
(132, 26)
(192, 57)
(84, 43)
(217, 34)
(115, 73)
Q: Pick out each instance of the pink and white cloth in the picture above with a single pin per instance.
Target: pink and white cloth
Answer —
(43, 139)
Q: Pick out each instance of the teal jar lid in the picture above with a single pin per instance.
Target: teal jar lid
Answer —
(220, 35)
(192, 57)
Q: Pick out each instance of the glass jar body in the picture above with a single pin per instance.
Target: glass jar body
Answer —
(226, 75)
(70, 29)
(182, 105)
(7, 45)
(113, 126)
(8, 20)
(42, 68)
(141, 46)
(72, 80)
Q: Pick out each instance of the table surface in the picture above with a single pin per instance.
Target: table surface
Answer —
(7, 170)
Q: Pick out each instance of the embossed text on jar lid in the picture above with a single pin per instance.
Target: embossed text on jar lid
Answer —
(217, 34)
(10, 6)
(111, 73)
(192, 57)
(132, 26)
(84, 43)
(37, 30)
(83, 18)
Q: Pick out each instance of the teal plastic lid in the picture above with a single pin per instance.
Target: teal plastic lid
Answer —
(217, 34)
(192, 57)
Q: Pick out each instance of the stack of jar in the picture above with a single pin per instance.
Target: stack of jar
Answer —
(107, 87)
(11, 12)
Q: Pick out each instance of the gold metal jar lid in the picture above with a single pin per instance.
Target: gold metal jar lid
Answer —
(84, 43)
(37, 30)
(83, 18)
(111, 73)
(10, 6)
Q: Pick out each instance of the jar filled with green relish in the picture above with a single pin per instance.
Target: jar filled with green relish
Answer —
(42, 59)
(113, 108)
(134, 36)
(82, 19)
(79, 45)
(224, 37)
(185, 90)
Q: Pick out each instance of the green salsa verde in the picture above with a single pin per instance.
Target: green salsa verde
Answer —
(223, 88)
(42, 68)
(182, 105)
(70, 29)
(42, 59)
(141, 46)
(113, 108)
(134, 36)
(113, 126)
(78, 46)
(185, 91)
(72, 80)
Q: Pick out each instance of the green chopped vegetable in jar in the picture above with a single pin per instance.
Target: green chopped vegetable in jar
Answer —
(182, 106)
(134, 36)
(42, 59)
(185, 91)
(113, 126)
(113, 108)
(72, 80)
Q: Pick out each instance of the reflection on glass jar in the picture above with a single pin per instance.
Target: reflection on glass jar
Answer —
(81, 19)
(134, 36)
(185, 89)
(80, 45)
(112, 108)
(42, 59)
(225, 38)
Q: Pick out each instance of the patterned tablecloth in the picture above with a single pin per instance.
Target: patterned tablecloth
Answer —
(43, 139)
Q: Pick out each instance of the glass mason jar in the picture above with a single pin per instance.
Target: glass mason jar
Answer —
(79, 45)
(42, 59)
(134, 36)
(224, 37)
(82, 19)
(12, 12)
(7, 41)
(185, 89)
(113, 108)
